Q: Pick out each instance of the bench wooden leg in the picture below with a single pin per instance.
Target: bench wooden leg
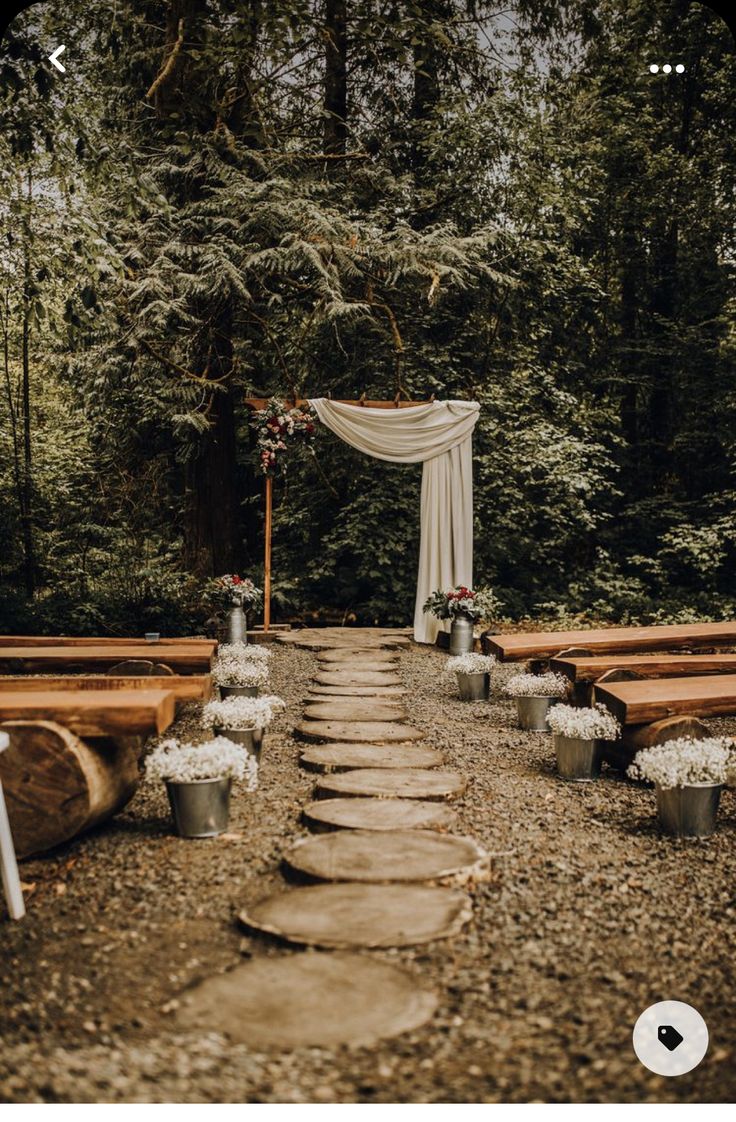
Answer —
(9, 865)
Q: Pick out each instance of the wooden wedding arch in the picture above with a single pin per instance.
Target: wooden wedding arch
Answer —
(257, 403)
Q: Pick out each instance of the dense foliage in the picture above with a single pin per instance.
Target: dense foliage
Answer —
(309, 197)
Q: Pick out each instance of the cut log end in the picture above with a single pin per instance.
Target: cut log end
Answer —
(57, 786)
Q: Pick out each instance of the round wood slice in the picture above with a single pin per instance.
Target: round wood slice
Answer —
(398, 783)
(356, 691)
(361, 915)
(366, 732)
(362, 665)
(326, 638)
(345, 757)
(401, 855)
(348, 654)
(309, 1000)
(378, 814)
(355, 709)
(356, 678)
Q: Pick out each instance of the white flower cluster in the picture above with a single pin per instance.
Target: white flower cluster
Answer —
(470, 663)
(220, 758)
(537, 685)
(241, 664)
(583, 724)
(242, 712)
(683, 762)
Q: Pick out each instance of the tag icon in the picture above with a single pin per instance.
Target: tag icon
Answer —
(669, 1036)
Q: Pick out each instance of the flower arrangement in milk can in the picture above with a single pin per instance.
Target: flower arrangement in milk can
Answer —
(233, 591)
(279, 428)
(476, 604)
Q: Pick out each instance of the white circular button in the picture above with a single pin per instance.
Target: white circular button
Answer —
(670, 1038)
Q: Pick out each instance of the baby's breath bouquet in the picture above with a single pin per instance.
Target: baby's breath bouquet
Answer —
(242, 712)
(175, 761)
(470, 663)
(537, 685)
(686, 762)
(241, 664)
(583, 724)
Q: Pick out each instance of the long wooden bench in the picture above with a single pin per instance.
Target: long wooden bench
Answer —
(113, 712)
(183, 658)
(652, 699)
(189, 687)
(101, 641)
(647, 666)
(611, 640)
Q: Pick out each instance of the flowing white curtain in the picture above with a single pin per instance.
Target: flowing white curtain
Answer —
(439, 435)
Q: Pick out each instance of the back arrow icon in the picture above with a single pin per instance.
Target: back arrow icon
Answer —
(54, 59)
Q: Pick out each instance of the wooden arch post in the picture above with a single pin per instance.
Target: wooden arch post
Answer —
(256, 403)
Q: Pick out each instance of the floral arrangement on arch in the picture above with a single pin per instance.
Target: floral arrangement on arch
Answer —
(277, 428)
(233, 591)
(478, 603)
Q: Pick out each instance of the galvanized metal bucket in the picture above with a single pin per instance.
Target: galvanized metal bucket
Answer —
(462, 638)
(251, 739)
(533, 712)
(236, 626)
(239, 691)
(689, 812)
(474, 687)
(201, 808)
(578, 760)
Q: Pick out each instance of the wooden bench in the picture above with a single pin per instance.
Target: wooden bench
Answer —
(646, 666)
(102, 641)
(112, 712)
(610, 640)
(641, 702)
(181, 657)
(189, 687)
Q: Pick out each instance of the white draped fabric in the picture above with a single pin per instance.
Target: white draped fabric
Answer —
(439, 435)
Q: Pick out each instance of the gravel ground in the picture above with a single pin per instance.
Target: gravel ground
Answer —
(590, 917)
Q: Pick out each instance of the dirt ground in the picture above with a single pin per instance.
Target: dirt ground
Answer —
(590, 917)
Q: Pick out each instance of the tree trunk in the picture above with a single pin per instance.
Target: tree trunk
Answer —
(29, 565)
(336, 76)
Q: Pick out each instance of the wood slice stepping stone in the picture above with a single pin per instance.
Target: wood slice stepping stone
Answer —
(335, 638)
(348, 654)
(365, 732)
(356, 691)
(363, 665)
(361, 915)
(345, 757)
(355, 709)
(356, 678)
(401, 855)
(398, 783)
(309, 1000)
(378, 814)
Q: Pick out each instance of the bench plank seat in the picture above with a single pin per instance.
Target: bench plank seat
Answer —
(114, 712)
(649, 666)
(102, 641)
(189, 687)
(652, 699)
(180, 657)
(611, 640)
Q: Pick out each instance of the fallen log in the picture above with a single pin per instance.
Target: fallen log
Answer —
(57, 785)
(620, 753)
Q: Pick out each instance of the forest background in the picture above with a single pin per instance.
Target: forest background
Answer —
(313, 197)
